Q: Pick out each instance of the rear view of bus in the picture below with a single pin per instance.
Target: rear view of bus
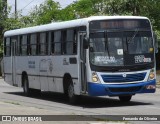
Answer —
(121, 57)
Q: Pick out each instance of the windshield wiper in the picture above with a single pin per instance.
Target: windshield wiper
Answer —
(133, 36)
(106, 43)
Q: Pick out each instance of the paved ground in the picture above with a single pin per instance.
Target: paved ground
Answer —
(158, 80)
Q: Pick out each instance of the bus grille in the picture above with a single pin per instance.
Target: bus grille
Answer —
(126, 89)
(120, 78)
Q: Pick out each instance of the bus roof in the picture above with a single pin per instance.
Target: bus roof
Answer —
(65, 24)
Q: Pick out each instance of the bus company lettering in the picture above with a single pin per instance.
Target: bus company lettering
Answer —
(141, 58)
(31, 64)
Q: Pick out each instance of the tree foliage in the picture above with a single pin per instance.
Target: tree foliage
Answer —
(3, 16)
(51, 11)
(45, 13)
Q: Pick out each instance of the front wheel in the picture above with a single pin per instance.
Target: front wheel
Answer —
(125, 98)
(70, 92)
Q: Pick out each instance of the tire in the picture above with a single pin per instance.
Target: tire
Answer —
(70, 92)
(26, 90)
(125, 98)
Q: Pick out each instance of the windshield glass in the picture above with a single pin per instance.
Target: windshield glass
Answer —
(140, 43)
(119, 48)
(106, 50)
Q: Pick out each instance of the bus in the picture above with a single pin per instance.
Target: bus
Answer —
(94, 56)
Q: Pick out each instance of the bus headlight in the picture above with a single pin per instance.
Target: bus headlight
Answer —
(151, 75)
(94, 77)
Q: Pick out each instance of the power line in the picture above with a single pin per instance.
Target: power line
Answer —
(26, 5)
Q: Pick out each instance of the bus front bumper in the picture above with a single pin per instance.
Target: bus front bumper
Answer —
(95, 89)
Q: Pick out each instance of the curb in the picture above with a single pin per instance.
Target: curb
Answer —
(158, 84)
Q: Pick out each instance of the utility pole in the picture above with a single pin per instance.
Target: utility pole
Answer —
(15, 9)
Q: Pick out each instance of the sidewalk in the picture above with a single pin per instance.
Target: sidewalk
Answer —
(11, 108)
(158, 79)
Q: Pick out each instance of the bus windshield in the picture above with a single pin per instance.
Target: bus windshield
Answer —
(103, 51)
(121, 47)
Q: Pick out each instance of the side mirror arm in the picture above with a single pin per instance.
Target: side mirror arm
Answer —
(85, 43)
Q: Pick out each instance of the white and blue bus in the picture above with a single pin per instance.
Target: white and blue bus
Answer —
(95, 56)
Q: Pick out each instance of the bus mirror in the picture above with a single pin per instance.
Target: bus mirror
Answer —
(156, 42)
(85, 43)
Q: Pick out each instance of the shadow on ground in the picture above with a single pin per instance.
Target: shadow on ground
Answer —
(83, 101)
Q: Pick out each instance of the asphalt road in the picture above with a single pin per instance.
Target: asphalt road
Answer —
(56, 104)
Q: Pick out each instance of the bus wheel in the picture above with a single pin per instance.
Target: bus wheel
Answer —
(125, 98)
(26, 89)
(70, 92)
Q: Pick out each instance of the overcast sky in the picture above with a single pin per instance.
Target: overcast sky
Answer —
(27, 5)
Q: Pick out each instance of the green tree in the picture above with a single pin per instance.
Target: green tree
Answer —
(3, 16)
(67, 13)
(85, 8)
(45, 13)
(148, 8)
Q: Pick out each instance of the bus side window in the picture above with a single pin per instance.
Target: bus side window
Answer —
(63, 40)
(43, 43)
(52, 43)
(33, 44)
(75, 42)
(71, 42)
(18, 47)
(57, 42)
(7, 47)
(13, 42)
(23, 40)
(28, 45)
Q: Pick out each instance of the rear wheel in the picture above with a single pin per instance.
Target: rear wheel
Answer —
(125, 98)
(26, 89)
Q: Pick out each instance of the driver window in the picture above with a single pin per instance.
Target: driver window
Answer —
(97, 44)
(115, 44)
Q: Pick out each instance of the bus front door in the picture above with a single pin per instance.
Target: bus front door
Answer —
(83, 79)
(13, 61)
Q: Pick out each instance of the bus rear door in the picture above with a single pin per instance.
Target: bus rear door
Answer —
(13, 60)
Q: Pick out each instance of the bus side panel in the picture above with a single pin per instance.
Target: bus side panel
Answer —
(19, 71)
(62, 65)
(28, 65)
(19, 79)
(7, 70)
(33, 72)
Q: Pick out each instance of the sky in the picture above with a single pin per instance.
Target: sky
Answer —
(27, 5)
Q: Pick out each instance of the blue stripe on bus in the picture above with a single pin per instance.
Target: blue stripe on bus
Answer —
(97, 89)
